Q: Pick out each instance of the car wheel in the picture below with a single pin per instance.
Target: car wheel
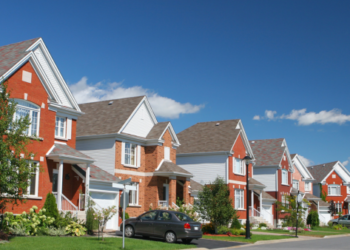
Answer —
(129, 231)
(186, 241)
(170, 237)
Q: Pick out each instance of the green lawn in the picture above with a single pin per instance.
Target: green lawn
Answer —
(317, 232)
(254, 238)
(86, 243)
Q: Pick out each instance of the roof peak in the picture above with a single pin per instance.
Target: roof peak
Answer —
(322, 164)
(109, 100)
(11, 44)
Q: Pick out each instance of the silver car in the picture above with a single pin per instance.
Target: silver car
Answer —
(342, 220)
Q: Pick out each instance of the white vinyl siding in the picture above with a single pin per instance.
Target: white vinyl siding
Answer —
(238, 166)
(167, 153)
(102, 150)
(141, 123)
(267, 176)
(205, 168)
(285, 177)
(342, 173)
(316, 189)
(333, 190)
(239, 199)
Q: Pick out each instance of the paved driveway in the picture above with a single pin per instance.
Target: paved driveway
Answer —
(210, 244)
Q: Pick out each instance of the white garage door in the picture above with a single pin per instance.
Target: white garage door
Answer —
(105, 200)
(266, 213)
(324, 217)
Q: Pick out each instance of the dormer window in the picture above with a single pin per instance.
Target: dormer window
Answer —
(131, 154)
(25, 108)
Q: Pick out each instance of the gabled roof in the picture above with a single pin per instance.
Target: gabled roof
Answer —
(214, 136)
(322, 171)
(169, 168)
(64, 152)
(101, 118)
(269, 152)
(303, 170)
(157, 130)
(13, 53)
(265, 196)
(96, 173)
(311, 197)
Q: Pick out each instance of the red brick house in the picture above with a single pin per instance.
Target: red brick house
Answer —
(216, 149)
(274, 169)
(40, 91)
(332, 179)
(127, 141)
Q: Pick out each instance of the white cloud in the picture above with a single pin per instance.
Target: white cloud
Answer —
(256, 117)
(306, 161)
(269, 114)
(307, 118)
(162, 106)
(346, 162)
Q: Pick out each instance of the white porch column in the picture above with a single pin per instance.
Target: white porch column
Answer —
(318, 207)
(87, 185)
(252, 201)
(59, 186)
(260, 198)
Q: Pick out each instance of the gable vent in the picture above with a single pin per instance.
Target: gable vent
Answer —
(217, 124)
(110, 103)
(253, 141)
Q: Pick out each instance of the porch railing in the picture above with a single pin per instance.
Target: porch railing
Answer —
(82, 202)
(66, 204)
(163, 203)
(175, 206)
(253, 212)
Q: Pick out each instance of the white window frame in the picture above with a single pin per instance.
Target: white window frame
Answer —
(167, 153)
(137, 155)
(296, 182)
(338, 207)
(36, 192)
(134, 197)
(239, 195)
(64, 127)
(337, 189)
(26, 105)
(241, 166)
(348, 190)
(307, 186)
(285, 178)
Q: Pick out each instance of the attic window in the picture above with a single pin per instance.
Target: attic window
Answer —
(26, 76)
(217, 124)
(110, 103)
(333, 176)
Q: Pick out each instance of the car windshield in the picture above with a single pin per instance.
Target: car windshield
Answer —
(183, 217)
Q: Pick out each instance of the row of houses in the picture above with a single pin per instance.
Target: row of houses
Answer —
(85, 150)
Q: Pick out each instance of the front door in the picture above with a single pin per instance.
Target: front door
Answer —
(145, 224)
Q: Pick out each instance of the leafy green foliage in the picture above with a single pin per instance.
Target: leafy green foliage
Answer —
(323, 194)
(223, 230)
(52, 231)
(215, 204)
(51, 206)
(235, 223)
(262, 225)
(312, 219)
(290, 209)
(18, 229)
(75, 229)
(127, 216)
(91, 224)
(338, 227)
(208, 228)
(15, 159)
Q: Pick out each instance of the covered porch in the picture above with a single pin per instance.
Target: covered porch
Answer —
(173, 184)
(67, 194)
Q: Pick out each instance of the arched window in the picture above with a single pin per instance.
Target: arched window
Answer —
(24, 108)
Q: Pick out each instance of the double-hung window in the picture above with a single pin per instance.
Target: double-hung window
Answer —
(338, 207)
(285, 176)
(307, 186)
(33, 186)
(60, 129)
(296, 184)
(333, 190)
(131, 154)
(239, 199)
(238, 166)
(25, 108)
(134, 195)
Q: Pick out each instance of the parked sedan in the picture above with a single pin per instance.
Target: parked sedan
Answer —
(170, 225)
(343, 220)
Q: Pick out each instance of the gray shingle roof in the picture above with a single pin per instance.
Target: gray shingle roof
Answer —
(65, 150)
(13, 53)
(157, 130)
(264, 195)
(292, 156)
(170, 167)
(320, 171)
(267, 152)
(96, 173)
(207, 137)
(101, 118)
(311, 196)
(195, 186)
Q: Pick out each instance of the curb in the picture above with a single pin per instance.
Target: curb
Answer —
(336, 236)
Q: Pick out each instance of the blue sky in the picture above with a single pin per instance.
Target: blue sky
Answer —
(207, 60)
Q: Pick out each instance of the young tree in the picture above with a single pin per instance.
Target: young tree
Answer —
(215, 204)
(15, 166)
(290, 207)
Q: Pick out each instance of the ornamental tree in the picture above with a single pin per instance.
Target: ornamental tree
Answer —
(104, 215)
(293, 210)
(214, 204)
(15, 166)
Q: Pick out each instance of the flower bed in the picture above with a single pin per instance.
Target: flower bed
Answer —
(228, 235)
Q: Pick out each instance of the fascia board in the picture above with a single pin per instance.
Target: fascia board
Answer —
(141, 141)
(150, 110)
(70, 158)
(344, 168)
(71, 113)
(58, 74)
(246, 141)
(172, 133)
(172, 174)
(228, 153)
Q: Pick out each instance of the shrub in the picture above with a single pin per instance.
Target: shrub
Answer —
(18, 229)
(223, 230)
(208, 228)
(75, 229)
(61, 231)
(312, 219)
(262, 225)
(127, 216)
(51, 206)
(91, 223)
(235, 223)
(330, 224)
